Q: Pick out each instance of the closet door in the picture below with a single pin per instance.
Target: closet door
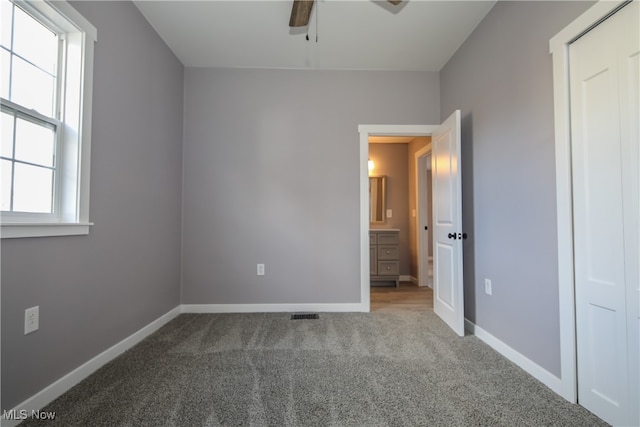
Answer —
(604, 125)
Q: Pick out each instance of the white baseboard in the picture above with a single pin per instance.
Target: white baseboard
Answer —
(413, 280)
(53, 391)
(272, 308)
(532, 368)
(405, 278)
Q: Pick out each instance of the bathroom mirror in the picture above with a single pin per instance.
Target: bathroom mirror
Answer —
(377, 199)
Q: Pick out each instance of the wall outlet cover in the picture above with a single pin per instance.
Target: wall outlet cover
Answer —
(31, 319)
(487, 287)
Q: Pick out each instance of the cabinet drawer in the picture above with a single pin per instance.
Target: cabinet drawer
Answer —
(388, 252)
(388, 239)
(388, 268)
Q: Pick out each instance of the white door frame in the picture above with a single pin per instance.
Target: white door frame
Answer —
(366, 131)
(422, 217)
(559, 49)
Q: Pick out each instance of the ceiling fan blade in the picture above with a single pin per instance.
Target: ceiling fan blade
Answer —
(300, 13)
(395, 2)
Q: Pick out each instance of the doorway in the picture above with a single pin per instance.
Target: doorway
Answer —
(597, 193)
(447, 231)
(401, 161)
(365, 132)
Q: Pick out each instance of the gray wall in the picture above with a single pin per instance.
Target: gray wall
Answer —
(272, 176)
(391, 161)
(96, 290)
(501, 79)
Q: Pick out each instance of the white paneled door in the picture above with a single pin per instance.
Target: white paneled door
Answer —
(604, 86)
(448, 302)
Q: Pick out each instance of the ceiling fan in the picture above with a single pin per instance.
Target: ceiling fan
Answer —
(301, 11)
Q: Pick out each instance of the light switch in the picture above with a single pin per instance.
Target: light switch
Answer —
(389, 213)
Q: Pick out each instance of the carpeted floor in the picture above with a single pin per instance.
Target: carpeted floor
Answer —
(344, 369)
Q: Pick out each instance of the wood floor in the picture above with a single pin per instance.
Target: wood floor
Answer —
(407, 297)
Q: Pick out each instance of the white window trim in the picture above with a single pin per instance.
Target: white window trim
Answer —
(80, 36)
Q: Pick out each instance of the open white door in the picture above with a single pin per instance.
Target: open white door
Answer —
(448, 296)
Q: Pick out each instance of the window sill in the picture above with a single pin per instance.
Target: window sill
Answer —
(23, 230)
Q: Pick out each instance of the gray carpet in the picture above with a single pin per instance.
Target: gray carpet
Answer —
(344, 369)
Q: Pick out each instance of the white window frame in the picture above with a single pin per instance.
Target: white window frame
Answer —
(76, 90)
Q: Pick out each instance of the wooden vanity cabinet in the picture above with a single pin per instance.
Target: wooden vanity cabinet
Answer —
(384, 253)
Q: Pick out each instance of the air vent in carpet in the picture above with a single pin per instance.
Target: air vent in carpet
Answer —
(300, 316)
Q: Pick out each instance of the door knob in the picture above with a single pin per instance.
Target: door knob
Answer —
(452, 236)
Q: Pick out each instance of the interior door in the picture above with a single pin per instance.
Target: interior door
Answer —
(448, 293)
(604, 88)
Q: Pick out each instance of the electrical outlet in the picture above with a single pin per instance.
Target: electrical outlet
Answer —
(260, 269)
(487, 286)
(389, 213)
(31, 319)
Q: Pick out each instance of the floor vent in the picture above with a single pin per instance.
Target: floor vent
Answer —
(300, 316)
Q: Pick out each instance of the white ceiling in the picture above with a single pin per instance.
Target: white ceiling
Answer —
(355, 34)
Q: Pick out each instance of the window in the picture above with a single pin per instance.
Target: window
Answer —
(46, 69)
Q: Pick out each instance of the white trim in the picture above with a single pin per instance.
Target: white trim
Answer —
(559, 48)
(397, 130)
(56, 389)
(413, 280)
(273, 308)
(529, 366)
(14, 231)
(405, 278)
(365, 131)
